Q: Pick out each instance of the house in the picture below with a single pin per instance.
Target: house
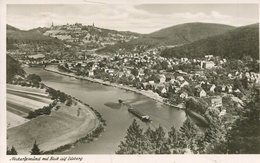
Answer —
(222, 113)
(184, 59)
(172, 81)
(110, 71)
(91, 73)
(141, 72)
(128, 72)
(207, 64)
(151, 82)
(212, 88)
(202, 93)
(224, 88)
(216, 101)
(161, 89)
(180, 78)
(184, 95)
(184, 84)
(230, 90)
(208, 56)
(247, 75)
(164, 90)
(162, 78)
(145, 84)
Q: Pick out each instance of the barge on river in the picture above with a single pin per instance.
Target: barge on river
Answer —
(140, 115)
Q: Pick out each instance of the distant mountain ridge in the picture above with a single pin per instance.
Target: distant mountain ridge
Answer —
(174, 35)
(236, 43)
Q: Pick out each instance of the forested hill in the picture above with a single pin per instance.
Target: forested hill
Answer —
(189, 32)
(237, 43)
(31, 40)
(12, 68)
(174, 35)
(17, 34)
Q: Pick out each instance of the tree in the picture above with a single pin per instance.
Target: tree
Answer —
(188, 132)
(134, 71)
(156, 141)
(36, 79)
(69, 102)
(198, 145)
(66, 65)
(159, 140)
(135, 142)
(12, 151)
(244, 137)
(35, 149)
(173, 138)
(164, 149)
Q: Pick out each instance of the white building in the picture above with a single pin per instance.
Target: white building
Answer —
(207, 64)
(162, 78)
(202, 93)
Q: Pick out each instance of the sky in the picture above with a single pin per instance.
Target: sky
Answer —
(141, 18)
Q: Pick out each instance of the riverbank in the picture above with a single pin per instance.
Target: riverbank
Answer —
(150, 94)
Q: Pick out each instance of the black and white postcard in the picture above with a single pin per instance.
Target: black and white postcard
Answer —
(130, 81)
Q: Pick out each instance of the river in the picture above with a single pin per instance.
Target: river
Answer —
(105, 100)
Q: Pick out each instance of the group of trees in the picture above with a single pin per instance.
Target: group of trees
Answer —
(56, 94)
(155, 141)
(13, 68)
(35, 79)
(34, 151)
(46, 110)
(244, 137)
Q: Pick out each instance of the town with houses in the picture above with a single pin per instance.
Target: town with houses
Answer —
(175, 80)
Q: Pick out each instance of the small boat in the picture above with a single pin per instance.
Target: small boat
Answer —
(140, 115)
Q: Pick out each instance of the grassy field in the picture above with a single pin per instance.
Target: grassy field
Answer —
(62, 126)
(14, 120)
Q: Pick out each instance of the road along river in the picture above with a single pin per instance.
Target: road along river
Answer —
(105, 100)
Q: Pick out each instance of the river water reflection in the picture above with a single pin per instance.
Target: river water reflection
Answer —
(105, 100)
